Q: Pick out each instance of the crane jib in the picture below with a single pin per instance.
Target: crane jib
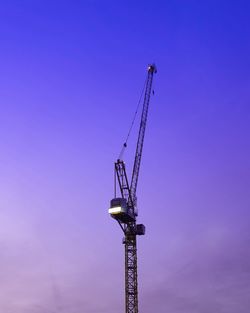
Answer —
(140, 141)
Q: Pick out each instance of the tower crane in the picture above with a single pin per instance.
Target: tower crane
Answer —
(124, 208)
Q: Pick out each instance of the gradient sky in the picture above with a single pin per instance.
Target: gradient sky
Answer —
(71, 75)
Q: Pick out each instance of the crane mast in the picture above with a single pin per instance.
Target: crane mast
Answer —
(123, 209)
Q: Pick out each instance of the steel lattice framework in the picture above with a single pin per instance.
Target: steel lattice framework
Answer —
(131, 291)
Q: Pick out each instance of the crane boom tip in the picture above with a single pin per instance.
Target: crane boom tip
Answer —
(152, 68)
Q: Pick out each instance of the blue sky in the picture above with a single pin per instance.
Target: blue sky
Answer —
(71, 76)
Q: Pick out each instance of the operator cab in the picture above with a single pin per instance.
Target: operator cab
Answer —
(119, 210)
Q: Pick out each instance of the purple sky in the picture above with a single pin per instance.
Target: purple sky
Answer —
(71, 75)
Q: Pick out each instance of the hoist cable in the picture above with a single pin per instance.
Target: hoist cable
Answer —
(133, 121)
